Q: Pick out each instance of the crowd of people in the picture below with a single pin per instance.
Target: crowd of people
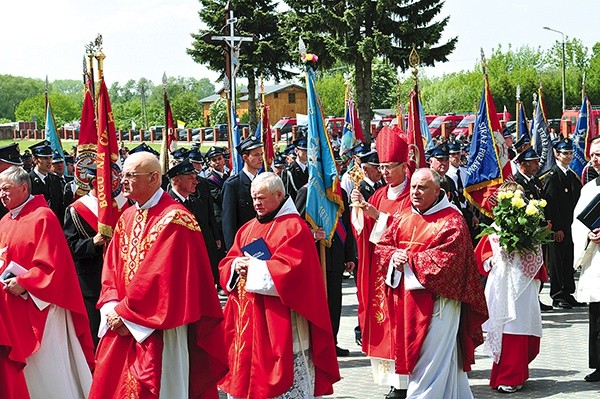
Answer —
(139, 314)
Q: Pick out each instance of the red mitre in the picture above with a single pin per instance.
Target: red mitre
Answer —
(391, 147)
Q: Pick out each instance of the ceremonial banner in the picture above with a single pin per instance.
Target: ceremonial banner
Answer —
(324, 204)
(52, 134)
(87, 144)
(108, 169)
(541, 141)
(424, 126)
(521, 122)
(234, 140)
(352, 133)
(414, 136)
(580, 138)
(169, 138)
(264, 134)
(488, 164)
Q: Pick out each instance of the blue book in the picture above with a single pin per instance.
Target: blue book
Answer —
(257, 249)
(590, 216)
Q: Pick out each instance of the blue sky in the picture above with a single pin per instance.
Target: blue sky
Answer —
(149, 37)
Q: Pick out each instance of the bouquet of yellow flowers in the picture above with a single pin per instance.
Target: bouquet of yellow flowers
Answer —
(520, 225)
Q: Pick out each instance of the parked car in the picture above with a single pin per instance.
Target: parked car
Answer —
(450, 120)
(285, 124)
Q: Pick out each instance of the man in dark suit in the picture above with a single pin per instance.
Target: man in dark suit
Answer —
(9, 156)
(87, 248)
(237, 202)
(193, 192)
(298, 169)
(44, 182)
(561, 191)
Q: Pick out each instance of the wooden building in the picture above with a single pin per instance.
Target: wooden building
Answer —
(286, 99)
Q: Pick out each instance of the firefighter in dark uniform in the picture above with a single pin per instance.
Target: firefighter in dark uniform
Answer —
(45, 182)
(9, 156)
(528, 162)
(561, 192)
(369, 163)
(237, 202)
(195, 196)
(299, 168)
(216, 177)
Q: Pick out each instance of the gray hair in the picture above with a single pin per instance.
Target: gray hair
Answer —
(16, 175)
(270, 181)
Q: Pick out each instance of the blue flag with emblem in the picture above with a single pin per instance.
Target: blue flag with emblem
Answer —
(52, 134)
(580, 137)
(540, 137)
(488, 164)
(521, 122)
(236, 159)
(424, 127)
(324, 204)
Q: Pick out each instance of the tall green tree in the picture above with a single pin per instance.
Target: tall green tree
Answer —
(13, 90)
(64, 108)
(358, 31)
(265, 56)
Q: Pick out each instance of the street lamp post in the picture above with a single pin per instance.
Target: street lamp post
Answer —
(563, 64)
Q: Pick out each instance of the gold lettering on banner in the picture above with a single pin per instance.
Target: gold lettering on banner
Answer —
(103, 139)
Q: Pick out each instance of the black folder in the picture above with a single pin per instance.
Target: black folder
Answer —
(590, 216)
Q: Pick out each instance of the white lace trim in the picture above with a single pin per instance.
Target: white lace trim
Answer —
(510, 275)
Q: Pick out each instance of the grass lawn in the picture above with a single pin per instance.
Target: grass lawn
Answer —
(67, 144)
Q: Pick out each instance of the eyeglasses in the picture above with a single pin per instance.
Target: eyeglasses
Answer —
(383, 168)
(131, 175)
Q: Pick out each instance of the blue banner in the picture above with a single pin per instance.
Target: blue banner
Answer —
(236, 159)
(52, 134)
(324, 203)
(424, 126)
(541, 141)
(488, 158)
(522, 122)
(580, 138)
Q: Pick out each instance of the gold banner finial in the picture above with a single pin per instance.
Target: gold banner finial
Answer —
(414, 60)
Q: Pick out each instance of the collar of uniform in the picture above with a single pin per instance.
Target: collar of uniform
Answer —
(181, 197)
(565, 170)
(40, 174)
(303, 166)
(250, 175)
(152, 201)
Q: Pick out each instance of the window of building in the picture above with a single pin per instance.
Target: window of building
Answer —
(292, 98)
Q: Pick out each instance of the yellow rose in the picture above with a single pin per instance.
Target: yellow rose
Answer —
(531, 209)
(509, 194)
(543, 203)
(518, 193)
(517, 202)
(501, 196)
(534, 202)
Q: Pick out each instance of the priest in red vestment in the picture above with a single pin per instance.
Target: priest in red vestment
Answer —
(429, 262)
(161, 320)
(45, 338)
(277, 327)
(369, 222)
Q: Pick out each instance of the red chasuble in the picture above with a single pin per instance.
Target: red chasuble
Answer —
(258, 329)
(36, 242)
(157, 268)
(373, 302)
(441, 256)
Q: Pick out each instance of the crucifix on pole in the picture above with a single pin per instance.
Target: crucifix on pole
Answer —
(234, 43)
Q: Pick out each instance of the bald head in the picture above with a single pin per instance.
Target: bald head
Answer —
(424, 188)
(142, 176)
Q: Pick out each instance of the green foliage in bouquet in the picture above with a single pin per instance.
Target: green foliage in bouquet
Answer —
(520, 225)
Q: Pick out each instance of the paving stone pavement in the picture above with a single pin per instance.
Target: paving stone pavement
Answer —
(557, 372)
